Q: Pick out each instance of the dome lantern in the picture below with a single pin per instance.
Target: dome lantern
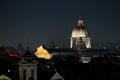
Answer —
(80, 22)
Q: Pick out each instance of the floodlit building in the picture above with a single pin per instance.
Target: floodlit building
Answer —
(42, 53)
(80, 37)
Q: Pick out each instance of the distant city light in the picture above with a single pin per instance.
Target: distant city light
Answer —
(9, 70)
(13, 55)
(85, 59)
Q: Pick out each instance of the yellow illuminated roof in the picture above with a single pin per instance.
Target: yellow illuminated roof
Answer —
(42, 53)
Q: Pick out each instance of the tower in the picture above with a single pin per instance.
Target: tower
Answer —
(28, 67)
(80, 38)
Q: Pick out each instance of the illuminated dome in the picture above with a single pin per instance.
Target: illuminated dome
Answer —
(80, 38)
(80, 30)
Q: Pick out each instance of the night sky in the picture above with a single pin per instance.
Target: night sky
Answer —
(42, 21)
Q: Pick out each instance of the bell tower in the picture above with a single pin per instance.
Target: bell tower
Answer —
(28, 67)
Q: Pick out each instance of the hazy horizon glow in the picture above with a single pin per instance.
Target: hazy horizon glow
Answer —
(40, 22)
